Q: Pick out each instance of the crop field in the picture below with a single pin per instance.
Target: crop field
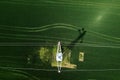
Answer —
(89, 32)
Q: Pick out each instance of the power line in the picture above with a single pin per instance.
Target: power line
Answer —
(75, 70)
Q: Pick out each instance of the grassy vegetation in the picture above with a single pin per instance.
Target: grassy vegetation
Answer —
(29, 31)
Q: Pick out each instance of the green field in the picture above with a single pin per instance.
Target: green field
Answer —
(31, 29)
